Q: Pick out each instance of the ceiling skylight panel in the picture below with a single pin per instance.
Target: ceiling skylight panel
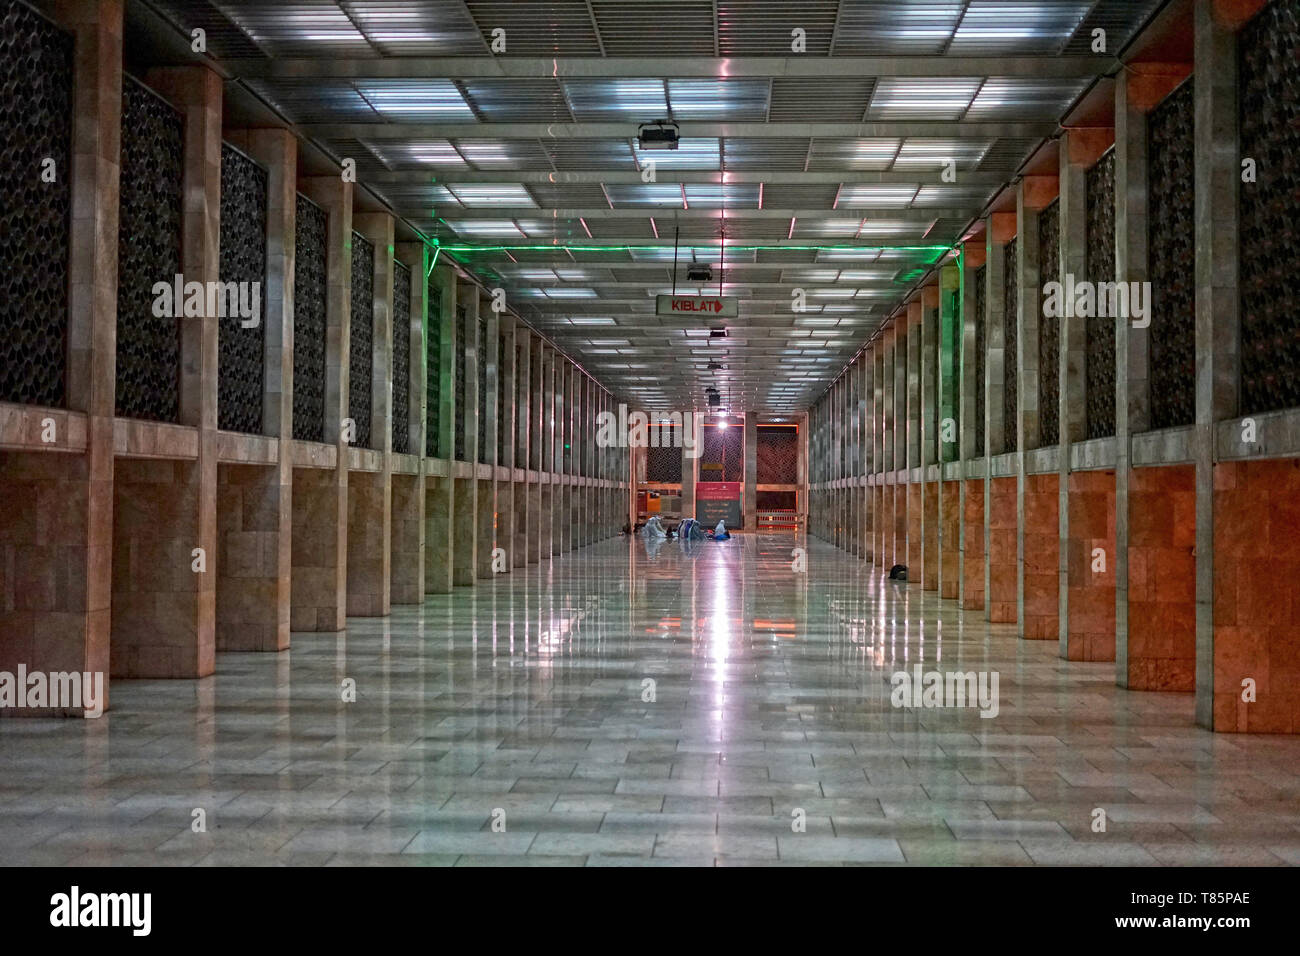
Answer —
(718, 194)
(872, 228)
(1036, 27)
(416, 100)
(856, 195)
(691, 153)
(925, 98)
(866, 154)
(569, 293)
(437, 152)
(1024, 98)
(638, 101)
(492, 194)
(936, 153)
(487, 228)
(645, 194)
(718, 99)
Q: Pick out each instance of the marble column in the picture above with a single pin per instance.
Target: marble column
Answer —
(466, 518)
(409, 494)
(440, 495)
(318, 583)
(165, 522)
(489, 515)
(369, 489)
(59, 520)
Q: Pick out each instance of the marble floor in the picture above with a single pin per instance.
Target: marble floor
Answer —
(513, 724)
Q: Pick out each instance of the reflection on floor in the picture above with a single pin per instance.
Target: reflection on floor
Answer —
(514, 723)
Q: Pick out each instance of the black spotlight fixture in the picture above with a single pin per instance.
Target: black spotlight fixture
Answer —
(717, 333)
(715, 366)
(699, 272)
(661, 134)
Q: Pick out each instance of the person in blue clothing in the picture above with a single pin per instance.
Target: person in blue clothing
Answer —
(690, 530)
(720, 532)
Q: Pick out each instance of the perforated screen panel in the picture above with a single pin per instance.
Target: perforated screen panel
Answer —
(148, 251)
(1171, 244)
(401, 358)
(1269, 260)
(35, 178)
(1010, 391)
(309, 303)
(361, 339)
(723, 456)
(433, 380)
(241, 326)
(664, 456)
(1049, 329)
(777, 455)
(1100, 330)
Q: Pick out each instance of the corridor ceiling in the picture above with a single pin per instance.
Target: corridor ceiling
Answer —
(821, 170)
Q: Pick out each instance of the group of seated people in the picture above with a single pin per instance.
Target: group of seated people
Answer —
(688, 529)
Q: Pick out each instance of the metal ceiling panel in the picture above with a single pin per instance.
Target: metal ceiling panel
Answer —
(766, 27)
(590, 230)
(416, 27)
(506, 101)
(638, 29)
(1017, 26)
(820, 99)
(553, 28)
(895, 27)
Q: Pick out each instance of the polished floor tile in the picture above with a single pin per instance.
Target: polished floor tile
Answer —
(629, 706)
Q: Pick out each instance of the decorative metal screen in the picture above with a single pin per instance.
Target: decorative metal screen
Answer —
(1269, 229)
(1171, 245)
(1009, 379)
(148, 251)
(401, 359)
(1049, 329)
(1100, 330)
(777, 455)
(361, 338)
(724, 447)
(433, 373)
(36, 177)
(664, 462)
(484, 452)
(462, 338)
(981, 353)
(241, 350)
(309, 302)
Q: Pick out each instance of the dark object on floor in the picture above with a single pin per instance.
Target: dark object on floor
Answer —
(898, 572)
